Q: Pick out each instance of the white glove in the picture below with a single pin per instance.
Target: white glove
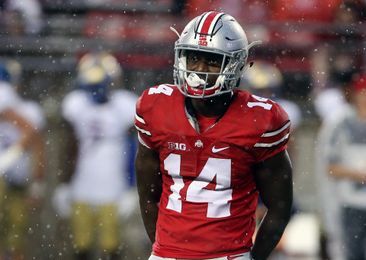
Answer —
(128, 203)
(61, 200)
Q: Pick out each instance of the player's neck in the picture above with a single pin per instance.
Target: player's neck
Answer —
(211, 107)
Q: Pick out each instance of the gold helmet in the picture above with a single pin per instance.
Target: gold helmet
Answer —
(104, 60)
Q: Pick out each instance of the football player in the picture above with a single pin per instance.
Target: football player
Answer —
(100, 120)
(22, 160)
(207, 150)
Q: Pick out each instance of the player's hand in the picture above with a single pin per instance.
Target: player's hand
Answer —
(128, 203)
(61, 200)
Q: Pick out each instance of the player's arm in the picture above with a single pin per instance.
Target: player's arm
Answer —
(26, 129)
(27, 134)
(149, 187)
(39, 156)
(70, 148)
(37, 150)
(337, 170)
(274, 182)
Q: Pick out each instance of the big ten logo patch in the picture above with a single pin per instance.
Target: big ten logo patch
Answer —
(177, 146)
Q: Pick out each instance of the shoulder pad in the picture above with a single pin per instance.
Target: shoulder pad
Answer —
(155, 94)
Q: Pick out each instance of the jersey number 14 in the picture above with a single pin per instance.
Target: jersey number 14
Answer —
(217, 200)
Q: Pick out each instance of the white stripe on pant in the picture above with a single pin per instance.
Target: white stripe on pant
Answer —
(244, 256)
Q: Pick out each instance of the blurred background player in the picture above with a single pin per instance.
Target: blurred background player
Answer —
(22, 16)
(22, 161)
(344, 148)
(101, 119)
(334, 96)
(335, 64)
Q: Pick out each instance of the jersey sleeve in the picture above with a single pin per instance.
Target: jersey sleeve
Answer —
(72, 105)
(8, 97)
(144, 120)
(275, 136)
(126, 102)
(33, 112)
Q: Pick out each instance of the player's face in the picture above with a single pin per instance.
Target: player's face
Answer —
(205, 62)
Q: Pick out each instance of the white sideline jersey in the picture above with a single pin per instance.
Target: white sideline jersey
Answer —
(20, 173)
(8, 96)
(101, 131)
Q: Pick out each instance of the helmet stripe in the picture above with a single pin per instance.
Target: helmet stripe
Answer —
(213, 23)
(209, 22)
(201, 22)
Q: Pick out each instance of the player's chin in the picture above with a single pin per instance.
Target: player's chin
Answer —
(219, 99)
(213, 99)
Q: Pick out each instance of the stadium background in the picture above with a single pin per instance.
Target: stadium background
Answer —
(297, 36)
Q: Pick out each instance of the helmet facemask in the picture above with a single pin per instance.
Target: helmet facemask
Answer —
(204, 84)
(95, 81)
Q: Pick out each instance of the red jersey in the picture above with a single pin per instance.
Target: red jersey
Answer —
(209, 197)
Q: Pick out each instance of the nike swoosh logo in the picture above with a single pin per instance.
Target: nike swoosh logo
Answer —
(216, 150)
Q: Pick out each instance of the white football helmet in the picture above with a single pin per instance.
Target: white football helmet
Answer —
(219, 34)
